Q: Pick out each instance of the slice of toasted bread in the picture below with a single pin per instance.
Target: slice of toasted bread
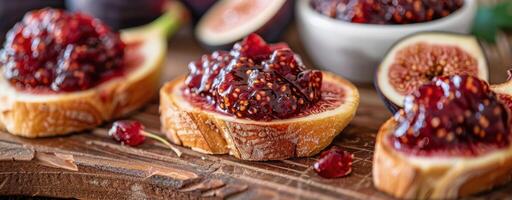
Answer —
(412, 177)
(214, 133)
(39, 115)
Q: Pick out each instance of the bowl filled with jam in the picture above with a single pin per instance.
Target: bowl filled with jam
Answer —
(350, 37)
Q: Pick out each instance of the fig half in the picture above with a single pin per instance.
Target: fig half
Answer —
(417, 59)
(229, 21)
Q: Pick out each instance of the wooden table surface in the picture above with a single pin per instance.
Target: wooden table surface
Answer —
(91, 165)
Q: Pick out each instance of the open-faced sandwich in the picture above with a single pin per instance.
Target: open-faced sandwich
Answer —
(256, 102)
(451, 139)
(64, 72)
(451, 134)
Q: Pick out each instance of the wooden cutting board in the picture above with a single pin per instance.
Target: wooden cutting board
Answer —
(91, 165)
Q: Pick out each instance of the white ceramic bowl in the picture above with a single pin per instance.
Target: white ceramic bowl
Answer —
(355, 50)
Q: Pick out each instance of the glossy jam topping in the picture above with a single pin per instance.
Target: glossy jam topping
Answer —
(419, 63)
(332, 97)
(386, 11)
(452, 116)
(255, 80)
(53, 50)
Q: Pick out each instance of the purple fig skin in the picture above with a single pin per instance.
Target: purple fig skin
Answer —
(197, 8)
(119, 14)
(392, 107)
(12, 11)
(271, 31)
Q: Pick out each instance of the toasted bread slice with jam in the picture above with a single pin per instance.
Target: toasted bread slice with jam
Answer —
(215, 133)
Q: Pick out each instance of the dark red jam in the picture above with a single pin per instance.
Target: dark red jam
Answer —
(386, 11)
(452, 116)
(53, 50)
(255, 80)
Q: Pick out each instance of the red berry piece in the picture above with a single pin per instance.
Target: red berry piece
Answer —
(132, 133)
(127, 132)
(334, 163)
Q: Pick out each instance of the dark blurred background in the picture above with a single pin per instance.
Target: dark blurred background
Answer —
(117, 14)
(11, 11)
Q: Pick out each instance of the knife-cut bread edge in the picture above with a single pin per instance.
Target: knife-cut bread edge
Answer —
(40, 115)
(411, 177)
(214, 133)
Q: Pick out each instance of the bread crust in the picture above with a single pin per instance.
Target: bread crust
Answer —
(42, 115)
(409, 177)
(213, 133)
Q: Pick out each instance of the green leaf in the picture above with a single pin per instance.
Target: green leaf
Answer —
(503, 14)
(485, 26)
(490, 19)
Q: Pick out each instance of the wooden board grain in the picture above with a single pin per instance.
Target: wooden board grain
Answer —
(91, 165)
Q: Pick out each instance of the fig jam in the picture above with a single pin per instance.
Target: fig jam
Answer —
(56, 51)
(452, 116)
(255, 80)
(386, 11)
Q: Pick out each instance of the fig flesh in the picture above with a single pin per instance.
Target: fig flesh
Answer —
(418, 59)
(229, 21)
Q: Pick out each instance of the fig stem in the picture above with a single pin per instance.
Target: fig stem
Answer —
(170, 21)
(165, 25)
(162, 140)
